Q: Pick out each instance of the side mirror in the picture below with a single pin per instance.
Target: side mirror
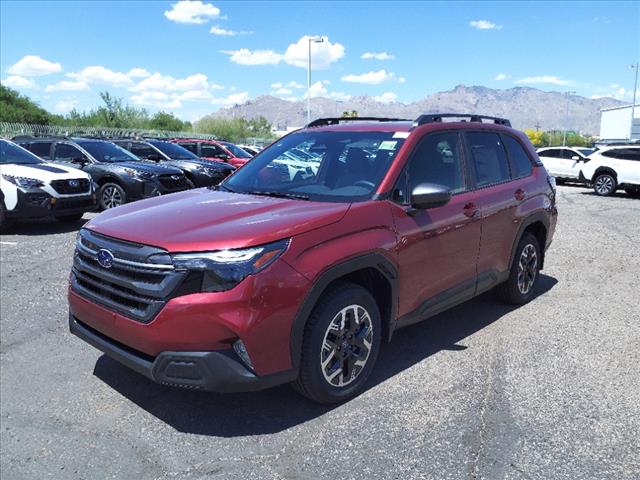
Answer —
(223, 156)
(576, 158)
(154, 157)
(79, 160)
(429, 195)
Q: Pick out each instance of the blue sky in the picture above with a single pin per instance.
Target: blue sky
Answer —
(192, 58)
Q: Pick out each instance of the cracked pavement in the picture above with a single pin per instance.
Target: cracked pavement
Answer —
(483, 391)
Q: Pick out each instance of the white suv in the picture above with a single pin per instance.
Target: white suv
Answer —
(610, 168)
(564, 163)
(31, 188)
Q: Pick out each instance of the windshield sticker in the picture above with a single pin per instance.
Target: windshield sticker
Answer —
(401, 135)
(388, 145)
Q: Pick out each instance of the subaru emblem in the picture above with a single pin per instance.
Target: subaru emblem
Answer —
(74, 183)
(104, 258)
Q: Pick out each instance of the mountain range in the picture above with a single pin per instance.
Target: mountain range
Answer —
(526, 108)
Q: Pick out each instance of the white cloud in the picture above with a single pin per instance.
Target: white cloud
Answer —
(544, 79)
(292, 84)
(282, 91)
(500, 76)
(16, 81)
(193, 96)
(192, 12)
(101, 75)
(386, 97)
(156, 99)
(401, 79)
(34, 66)
(138, 72)
(322, 54)
(615, 91)
(484, 25)
(297, 54)
(319, 89)
(372, 78)
(224, 32)
(66, 85)
(377, 56)
(233, 99)
(65, 106)
(160, 82)
(245, 56)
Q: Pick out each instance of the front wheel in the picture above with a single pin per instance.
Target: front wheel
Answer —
(111, 195)
(341, 343)
(520, 287)
(605, 184)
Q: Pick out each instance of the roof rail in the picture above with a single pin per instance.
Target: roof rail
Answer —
(322, 122)
(472, 117)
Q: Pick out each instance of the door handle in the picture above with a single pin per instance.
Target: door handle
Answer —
(519, 194)
(470, 210)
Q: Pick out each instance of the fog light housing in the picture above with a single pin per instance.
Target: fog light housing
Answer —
(241, 351)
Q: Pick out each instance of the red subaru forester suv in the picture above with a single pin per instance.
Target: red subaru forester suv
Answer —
(298, 267)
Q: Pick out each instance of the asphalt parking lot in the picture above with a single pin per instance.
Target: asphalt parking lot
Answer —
(547, 390)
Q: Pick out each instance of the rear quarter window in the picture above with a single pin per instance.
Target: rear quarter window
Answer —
(521, 165)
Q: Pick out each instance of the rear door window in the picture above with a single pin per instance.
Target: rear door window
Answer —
(521, 165)
(43, 150)
(489, 160)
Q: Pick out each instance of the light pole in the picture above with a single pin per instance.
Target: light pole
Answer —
(337, 103)
(311, 40)
(566, 118)
(633, 105)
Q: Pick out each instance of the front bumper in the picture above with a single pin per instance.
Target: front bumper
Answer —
(36, 203)
(215, 371)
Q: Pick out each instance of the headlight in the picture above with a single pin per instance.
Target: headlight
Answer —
(224, 269)
(139, 174)
(23, 181)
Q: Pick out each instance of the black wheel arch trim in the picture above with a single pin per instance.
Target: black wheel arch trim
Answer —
(376, 261)
(601, 170)
(535, 217)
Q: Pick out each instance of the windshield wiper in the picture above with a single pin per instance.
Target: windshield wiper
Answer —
(295, 196)
(225, 188)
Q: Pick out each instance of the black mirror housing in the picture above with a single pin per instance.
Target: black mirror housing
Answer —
(429, 195)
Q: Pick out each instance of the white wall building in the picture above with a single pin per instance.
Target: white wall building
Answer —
(615, 123)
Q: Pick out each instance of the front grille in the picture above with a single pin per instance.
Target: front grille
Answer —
(72, 203)
(72, 186)
(137, 285)
(173, 182)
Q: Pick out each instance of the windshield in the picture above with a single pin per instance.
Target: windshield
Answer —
(237, 151)
(174, 151)
(107, 152)
(333, 167)
(12, 153)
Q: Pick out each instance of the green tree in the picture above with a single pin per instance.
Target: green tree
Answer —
(20, 109)
(168, 121)
(351, 114)
(234, 129)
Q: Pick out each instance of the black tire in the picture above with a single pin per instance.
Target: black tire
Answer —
(69, 218)
(5, 223)
(313, 379)
(520, 287)
(605, 184)
(560, 181)
(111, 195)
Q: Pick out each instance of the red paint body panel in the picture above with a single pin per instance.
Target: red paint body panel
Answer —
(204, 220)
(258, 311)
(232, 160)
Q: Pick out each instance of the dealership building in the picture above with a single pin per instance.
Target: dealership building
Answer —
(616, 126)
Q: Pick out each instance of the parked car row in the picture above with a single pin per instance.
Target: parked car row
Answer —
(109, 173)
(606, 169)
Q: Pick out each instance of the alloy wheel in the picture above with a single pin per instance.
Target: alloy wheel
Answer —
(527, 269)
(111, 197)
(604, 184)
(346, 345)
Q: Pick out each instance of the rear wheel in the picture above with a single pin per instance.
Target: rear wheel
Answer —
(111, 195)
(520, 287)
(605, 184)
(340, 346)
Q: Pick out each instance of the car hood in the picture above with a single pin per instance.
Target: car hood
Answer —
(43, 171)
(205, 219)
(143, 167)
